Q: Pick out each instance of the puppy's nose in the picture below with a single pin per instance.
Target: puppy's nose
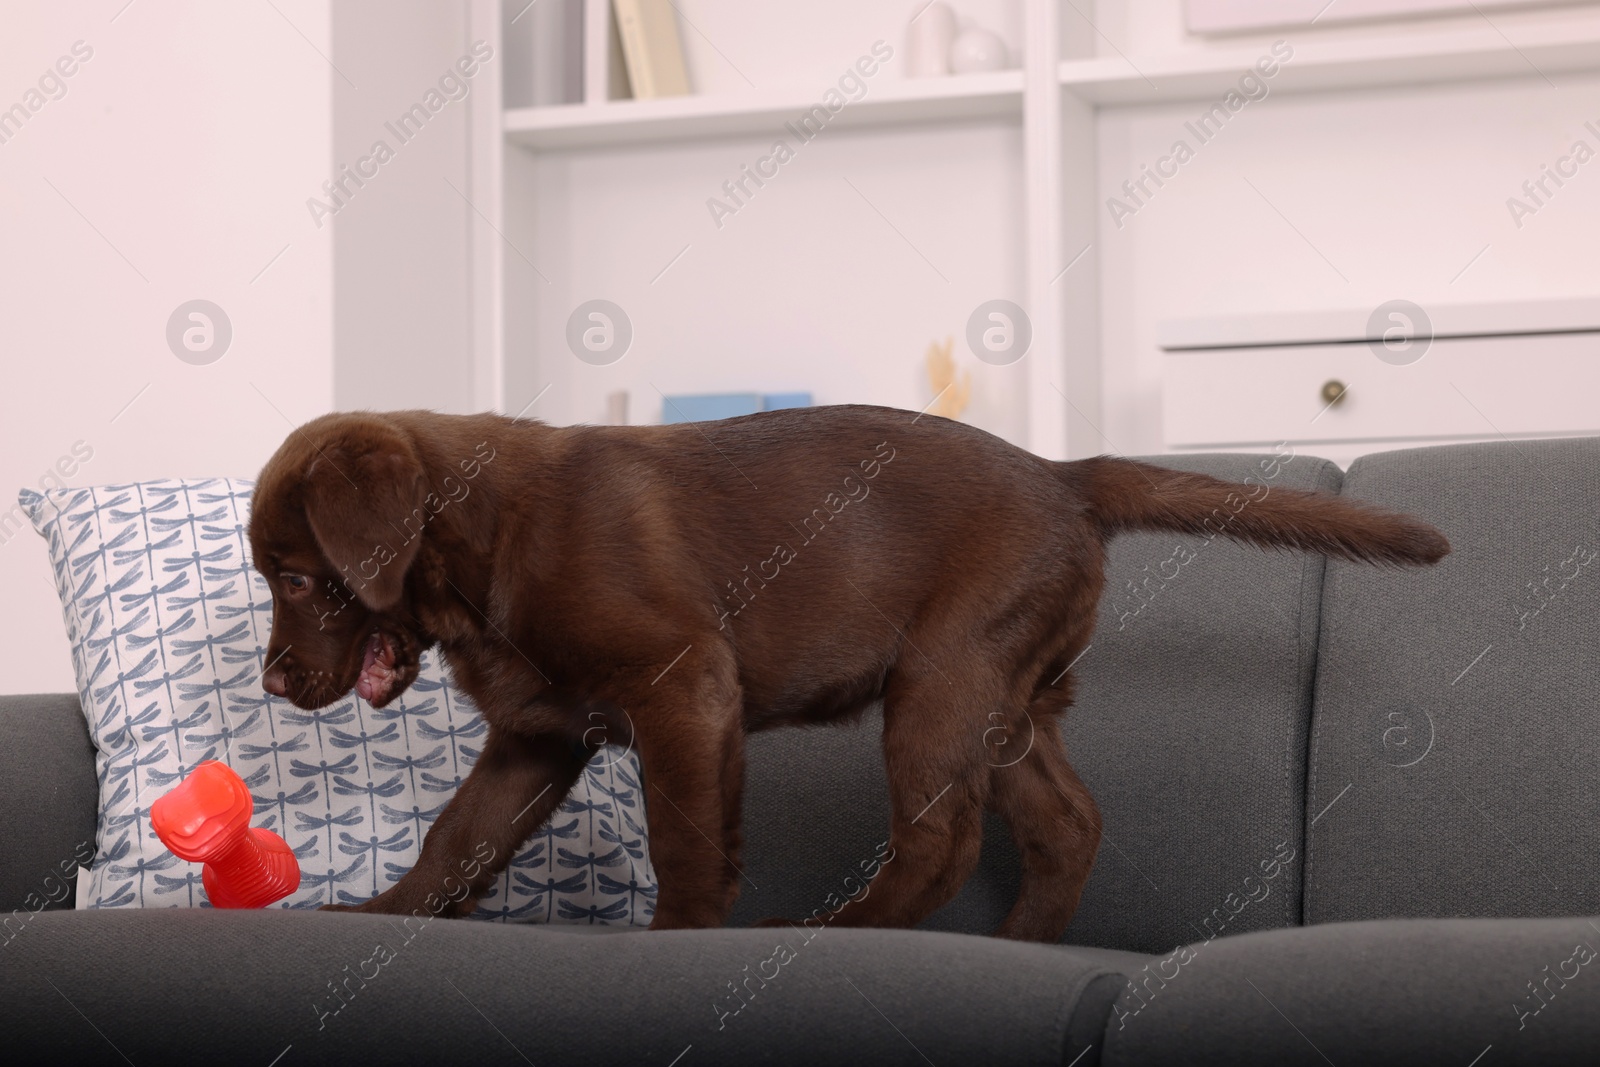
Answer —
(275, 681)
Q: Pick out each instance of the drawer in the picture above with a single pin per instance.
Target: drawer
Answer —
(1463, 387)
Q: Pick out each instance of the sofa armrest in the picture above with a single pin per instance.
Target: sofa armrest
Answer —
(48, 798)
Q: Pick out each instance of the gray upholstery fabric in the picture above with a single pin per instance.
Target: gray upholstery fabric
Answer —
(206, 987)
(1455, 761)
(48, 799)
(816, 806)
(1189, 729)
(1406, 992)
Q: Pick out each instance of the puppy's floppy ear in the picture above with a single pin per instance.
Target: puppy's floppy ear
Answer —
(364, 501)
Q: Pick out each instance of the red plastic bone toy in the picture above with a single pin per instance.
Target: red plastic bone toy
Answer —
(206, 819)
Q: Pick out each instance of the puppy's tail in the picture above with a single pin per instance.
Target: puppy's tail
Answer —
(1126, 495)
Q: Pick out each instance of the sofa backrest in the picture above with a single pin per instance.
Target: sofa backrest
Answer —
(1453, 764)
(1455, 756)
(1190, 730)
(1190, 727)
(48, 801)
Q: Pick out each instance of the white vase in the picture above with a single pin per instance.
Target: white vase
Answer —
(978, 50)
(928, 41)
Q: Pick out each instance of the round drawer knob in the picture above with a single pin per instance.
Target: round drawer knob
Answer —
(1333, 391)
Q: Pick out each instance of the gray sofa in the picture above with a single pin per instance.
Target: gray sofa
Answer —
(1352, 816)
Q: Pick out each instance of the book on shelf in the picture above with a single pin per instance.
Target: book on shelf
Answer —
(652, 48)
(617, 87)
(543, 48)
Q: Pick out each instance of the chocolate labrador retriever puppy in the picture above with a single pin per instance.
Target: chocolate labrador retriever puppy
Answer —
(677, 587)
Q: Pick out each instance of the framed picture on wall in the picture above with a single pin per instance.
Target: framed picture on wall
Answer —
(1238, 16)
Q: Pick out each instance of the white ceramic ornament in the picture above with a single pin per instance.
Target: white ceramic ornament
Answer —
(928, 41)
(977, 50)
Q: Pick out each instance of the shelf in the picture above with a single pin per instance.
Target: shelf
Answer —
(1342, 64)
(1316, 66)
(970, 96)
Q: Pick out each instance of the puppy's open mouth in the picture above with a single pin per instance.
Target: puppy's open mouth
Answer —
(379, 670)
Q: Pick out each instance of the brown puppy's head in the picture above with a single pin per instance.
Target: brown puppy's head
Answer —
(335, 525)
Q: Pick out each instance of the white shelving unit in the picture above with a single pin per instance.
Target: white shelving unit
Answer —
(973, 96)
(1055, 102)
(1103, 81)
(1007, 97)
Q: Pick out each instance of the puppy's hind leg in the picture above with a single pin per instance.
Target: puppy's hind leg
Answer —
(1056, 827)
(934, 753)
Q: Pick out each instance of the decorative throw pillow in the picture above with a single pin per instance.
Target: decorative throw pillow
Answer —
(168, 621)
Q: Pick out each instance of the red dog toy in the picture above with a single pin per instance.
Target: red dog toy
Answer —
(206, 819)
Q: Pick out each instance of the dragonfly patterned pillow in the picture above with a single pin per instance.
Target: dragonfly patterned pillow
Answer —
(168, 621)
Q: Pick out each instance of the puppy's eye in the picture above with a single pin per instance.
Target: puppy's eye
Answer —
(296, 582)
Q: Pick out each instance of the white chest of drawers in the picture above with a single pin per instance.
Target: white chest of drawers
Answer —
(1315, 382)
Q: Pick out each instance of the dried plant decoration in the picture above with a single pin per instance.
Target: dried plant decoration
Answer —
(949, 397)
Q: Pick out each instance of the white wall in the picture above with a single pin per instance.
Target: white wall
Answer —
(1398, 189)
(402, 240)
(176, 167)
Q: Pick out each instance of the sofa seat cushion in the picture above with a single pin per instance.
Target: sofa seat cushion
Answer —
(194, 986)
(1399, 991)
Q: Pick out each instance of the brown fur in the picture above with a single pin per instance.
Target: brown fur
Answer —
(677, 587)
